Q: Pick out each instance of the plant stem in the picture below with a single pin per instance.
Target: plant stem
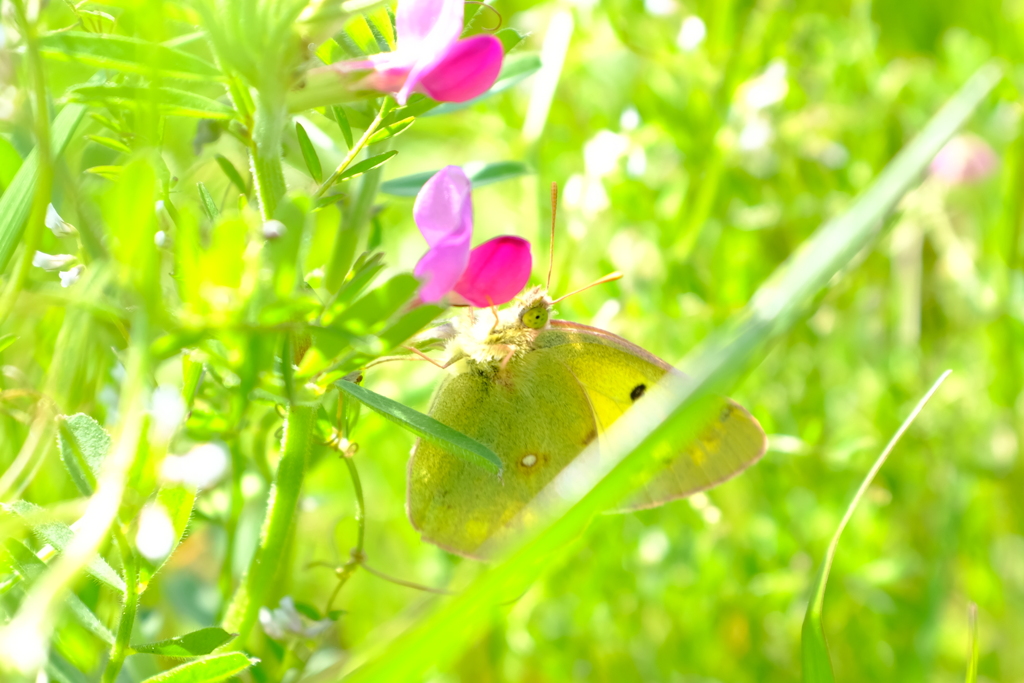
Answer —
(356, 149)
(256, 587)
(131, 604)
(349, 568)
(265, 152)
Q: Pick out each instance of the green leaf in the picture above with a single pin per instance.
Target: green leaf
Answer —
(514, 71)
(195, 644)
(391, 130)
(308, 153)
(17, 198)
(122, 53)
(424, 426)
(110, 143)
(206, 201)
(108, 172)
(60, 535)
(341, 118)
(205, 670)
(366, 165)
(6, 340)
(479, 175)
(232, 173)
(817, 666)
(169, 101)
(177, 502)
(83, 444)
(510, 38)
(29, 566)
(552, 523)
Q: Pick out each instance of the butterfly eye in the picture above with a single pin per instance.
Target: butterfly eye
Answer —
(535, 318)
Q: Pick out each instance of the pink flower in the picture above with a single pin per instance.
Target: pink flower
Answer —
(964, 159)
(489, 275)
(430, 58)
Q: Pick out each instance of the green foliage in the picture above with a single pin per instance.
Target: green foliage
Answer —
(237, 240)
(424, 426)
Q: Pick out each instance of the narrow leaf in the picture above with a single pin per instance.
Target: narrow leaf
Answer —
(6, 340)
(479, 175)
(83, 444)
(206, 670)
(341, 118)
(59, 535)
(206, 201)
(177, 502)
(126, 54)
(29, 566)
(424, 426)
(17, 198)
(308, 153)
(170, 101)
(111, 143)
(817, 664)
(391, 130)
(367, 165)
(195, 644)
(232, 173)
(108, 172)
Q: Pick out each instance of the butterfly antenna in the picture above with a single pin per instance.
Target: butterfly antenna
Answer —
(610, 277)
(551, 245)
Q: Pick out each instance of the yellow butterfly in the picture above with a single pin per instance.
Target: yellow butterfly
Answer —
(537, 391)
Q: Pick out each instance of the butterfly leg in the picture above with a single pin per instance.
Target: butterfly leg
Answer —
(427, 358)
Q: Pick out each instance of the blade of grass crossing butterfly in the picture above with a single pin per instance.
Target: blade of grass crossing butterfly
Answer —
(816, 660)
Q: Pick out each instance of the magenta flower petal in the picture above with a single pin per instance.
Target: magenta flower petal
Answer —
(427, 30)
(468, 70)
(497, 271)
(440, 268)
(964, 159)
(444, 207)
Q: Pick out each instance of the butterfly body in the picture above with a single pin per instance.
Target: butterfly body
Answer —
(537, 392)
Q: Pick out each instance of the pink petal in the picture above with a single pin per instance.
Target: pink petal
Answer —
(419, 20)
(444, 207)
(427, 33)
(440, 268)
(497, 271)
(964, 159)
(468, 69)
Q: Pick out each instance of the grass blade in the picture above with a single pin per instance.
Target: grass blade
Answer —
(206, 670)
(424, 426)
(123, 53)
(972, 644)
(232, 173)
(817, 664)
(633, 440)
(17, 199)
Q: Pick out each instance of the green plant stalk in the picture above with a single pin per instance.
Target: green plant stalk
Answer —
(122, 643)
(352, 227)
(258, 583)
(356, 149)
(44, 182)
(265, 152)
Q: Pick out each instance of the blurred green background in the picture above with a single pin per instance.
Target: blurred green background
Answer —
(696, 145)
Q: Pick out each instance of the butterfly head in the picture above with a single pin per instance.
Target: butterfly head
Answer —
(534, 309)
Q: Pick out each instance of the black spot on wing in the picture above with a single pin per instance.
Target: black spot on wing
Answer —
(637, 392)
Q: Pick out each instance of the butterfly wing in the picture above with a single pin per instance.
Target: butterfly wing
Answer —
(534, 416)
(614, 373)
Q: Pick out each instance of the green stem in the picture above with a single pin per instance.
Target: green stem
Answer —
(44, 181)
(265, 152)
(348, 236)
(256, 587)
(122, 645)
(356, 149)
(349, 568)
